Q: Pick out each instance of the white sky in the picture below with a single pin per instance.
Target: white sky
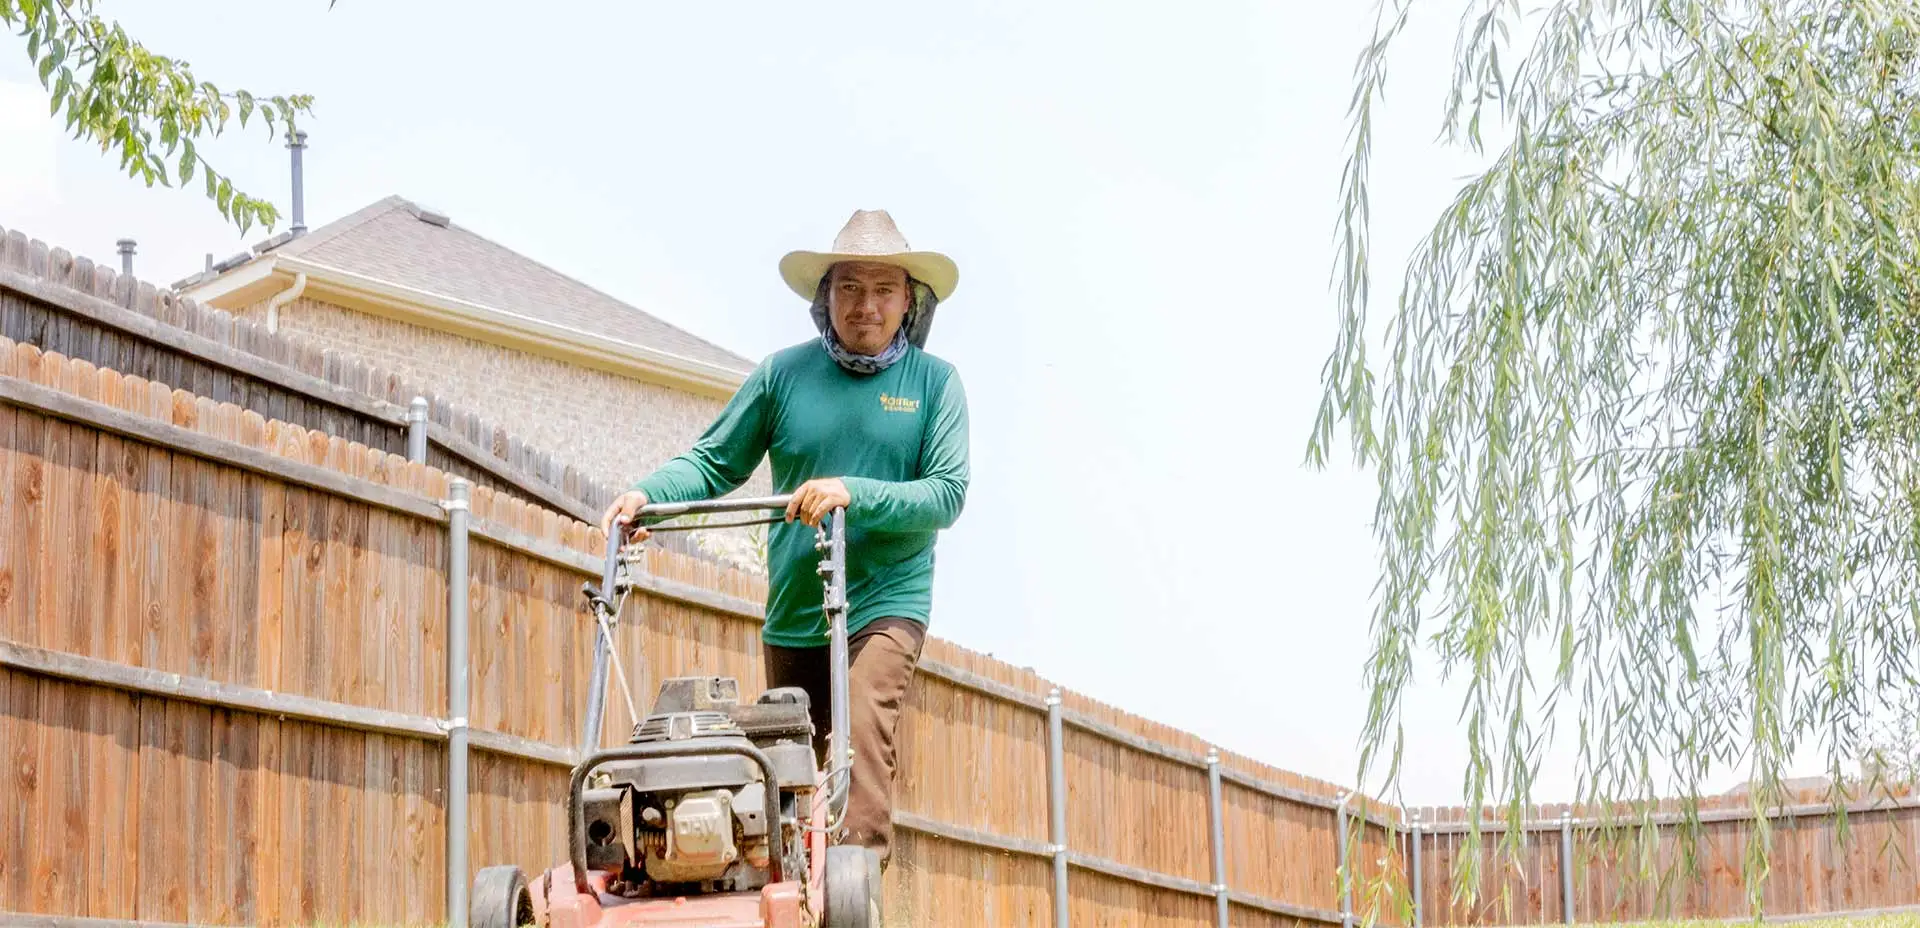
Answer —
(1141, 199)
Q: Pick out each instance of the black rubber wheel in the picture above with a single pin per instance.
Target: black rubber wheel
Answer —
(500, 899)
(853, 888)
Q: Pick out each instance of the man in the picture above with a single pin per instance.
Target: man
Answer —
(861, 418)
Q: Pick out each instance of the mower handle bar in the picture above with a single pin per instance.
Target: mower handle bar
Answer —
(604, 602)
(698, 507)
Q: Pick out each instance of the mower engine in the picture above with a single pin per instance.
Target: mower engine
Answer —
(693, 825)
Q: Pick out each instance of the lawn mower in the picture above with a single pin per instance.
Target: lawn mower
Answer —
(715, 813)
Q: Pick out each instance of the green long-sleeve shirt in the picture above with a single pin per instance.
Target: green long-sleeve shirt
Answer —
(897, 439)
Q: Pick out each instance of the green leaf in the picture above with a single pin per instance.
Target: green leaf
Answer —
(246, 106)
(186, 165)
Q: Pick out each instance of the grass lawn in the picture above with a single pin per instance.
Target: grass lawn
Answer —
(1901, 920)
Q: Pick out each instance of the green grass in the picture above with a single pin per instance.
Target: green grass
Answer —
(1901, 920)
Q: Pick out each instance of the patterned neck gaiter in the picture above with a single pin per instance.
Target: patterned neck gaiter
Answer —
(866, 363)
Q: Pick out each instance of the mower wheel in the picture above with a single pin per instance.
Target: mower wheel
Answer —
(853, 888)
(500, 899)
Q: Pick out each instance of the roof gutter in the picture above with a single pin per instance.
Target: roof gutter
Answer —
(283, 298)
(220, 283)
(485, 323)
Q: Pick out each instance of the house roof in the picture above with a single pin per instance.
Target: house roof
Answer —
(397, 242)
(1789, 785)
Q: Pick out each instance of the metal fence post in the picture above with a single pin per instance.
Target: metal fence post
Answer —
(1217, 813)
(417, 430)
(1566, 867)
(1416, 869)
(1346, 878)
(1057, 806)
(458, 512)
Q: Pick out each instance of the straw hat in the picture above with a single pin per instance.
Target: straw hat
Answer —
(869, 236)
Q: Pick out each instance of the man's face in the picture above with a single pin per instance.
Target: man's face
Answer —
(866, 303)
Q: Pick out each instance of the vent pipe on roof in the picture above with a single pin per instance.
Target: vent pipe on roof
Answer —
(126, 257)
(297, 143)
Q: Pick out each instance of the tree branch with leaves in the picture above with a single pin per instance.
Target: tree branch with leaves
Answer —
(1648, 399)
(147, 108)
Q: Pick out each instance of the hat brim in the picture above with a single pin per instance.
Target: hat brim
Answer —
(802, 270)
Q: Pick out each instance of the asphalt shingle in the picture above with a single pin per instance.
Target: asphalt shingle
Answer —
(389, 241)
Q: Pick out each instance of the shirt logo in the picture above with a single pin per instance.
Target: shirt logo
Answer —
(898, 404)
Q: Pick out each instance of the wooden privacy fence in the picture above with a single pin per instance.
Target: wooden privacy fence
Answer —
(59, 302)
(1576, 867)
(225, 658)
(224, 674)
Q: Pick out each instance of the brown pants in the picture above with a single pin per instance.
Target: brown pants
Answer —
(880, 662)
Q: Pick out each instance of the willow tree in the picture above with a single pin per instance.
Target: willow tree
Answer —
(147, 108)
(1644, 412)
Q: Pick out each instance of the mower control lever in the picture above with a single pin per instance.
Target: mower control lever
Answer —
(595, 598)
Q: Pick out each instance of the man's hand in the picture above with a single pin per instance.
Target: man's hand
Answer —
(815, 498)
(624, 507)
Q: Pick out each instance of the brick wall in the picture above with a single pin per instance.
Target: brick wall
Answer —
(550, 404)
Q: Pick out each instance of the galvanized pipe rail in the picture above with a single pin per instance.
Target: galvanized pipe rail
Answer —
(1057, 808)
(1216, 814)
(1704, 817)
(1344, 873)
(459, 627)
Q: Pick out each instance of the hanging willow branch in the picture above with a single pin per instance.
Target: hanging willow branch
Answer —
(1648, 403)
